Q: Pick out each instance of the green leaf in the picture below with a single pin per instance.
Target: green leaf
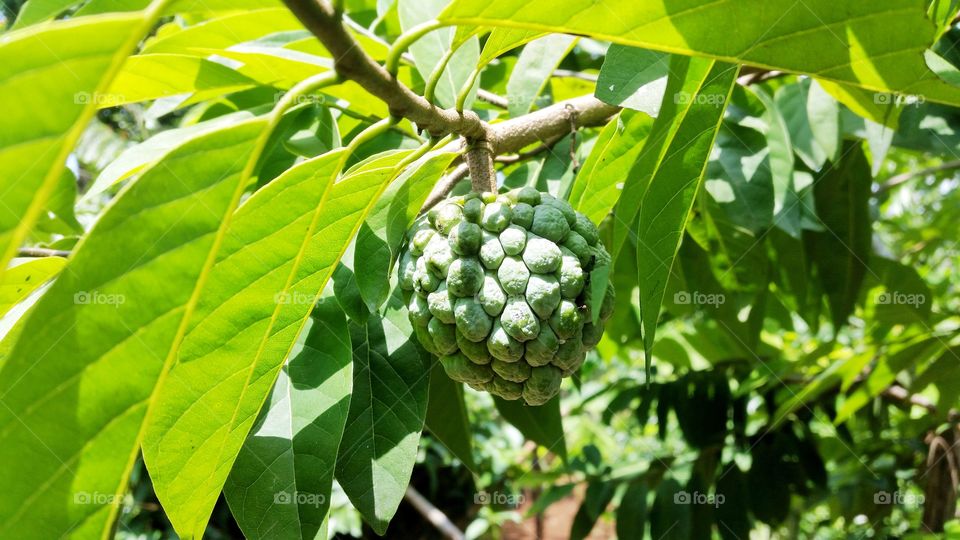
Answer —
(382, 234)
(447, 416)
(633, 78)
(885, 372)
(632, 512)
(81, 379)
(787, 208)
(387, 411)
(906, 298)
(599, 182)
(533, 69)
(813, 118)
(733, 521)
(280, 483)
(430, 49)
(670, 513)
(55, 73)
(277, 256)
(542, 425)
(739, 179)
(34, 11)
(139, 156)
(222, 32)
(848, 44)
(502, 40)
(680, 142)
(842, 195)
(152, 76)
(595, 502)
(19, 281)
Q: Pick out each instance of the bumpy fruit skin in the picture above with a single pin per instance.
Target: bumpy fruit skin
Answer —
(498, 286)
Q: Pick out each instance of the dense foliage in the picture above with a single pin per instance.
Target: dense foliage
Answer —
(696, 263)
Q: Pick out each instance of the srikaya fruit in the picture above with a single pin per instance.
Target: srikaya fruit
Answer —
(498, 287)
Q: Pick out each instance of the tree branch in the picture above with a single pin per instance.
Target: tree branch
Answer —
(351, 62)
(41, 252)
(433, 514)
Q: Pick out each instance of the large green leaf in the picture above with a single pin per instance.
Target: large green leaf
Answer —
(679, 147)
(83, 375)
(380, 238)
(447, 416)
(279, 486)
(842, 251)
(597, 186)
(387, 411)
(278, 254)
(542, 425)
(55, 73)
(222, 32)
(151, 76)
(24, 278)
(848, 42)
(135, 158)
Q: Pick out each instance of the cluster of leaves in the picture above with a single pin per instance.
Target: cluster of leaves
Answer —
(234, 212)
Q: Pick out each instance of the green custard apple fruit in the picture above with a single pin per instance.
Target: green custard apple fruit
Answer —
(498, 286)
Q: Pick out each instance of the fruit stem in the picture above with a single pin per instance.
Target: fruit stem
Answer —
(483, 177)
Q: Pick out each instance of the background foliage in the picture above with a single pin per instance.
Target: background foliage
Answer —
(199, 223)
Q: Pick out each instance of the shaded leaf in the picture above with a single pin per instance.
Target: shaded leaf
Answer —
(280, 483)
(447, 416)
(281, 248)
(633, 78)
(542, 425)
(387, 411)
(534, 67)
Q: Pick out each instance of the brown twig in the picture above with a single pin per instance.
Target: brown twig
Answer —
(510, 136)
(41, 252)
(433, 514)
(903, 178)
(445, 186)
